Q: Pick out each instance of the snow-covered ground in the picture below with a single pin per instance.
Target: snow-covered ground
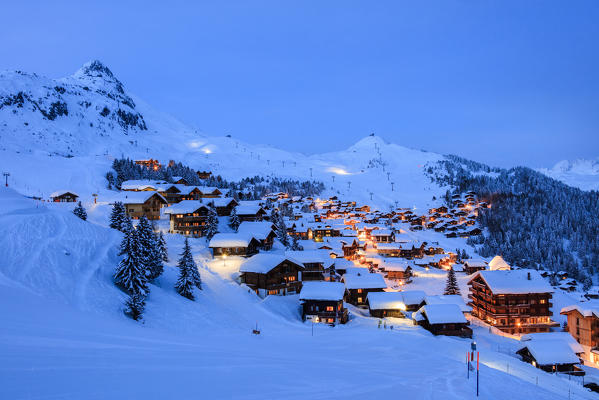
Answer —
(64, 334)
(583, 174)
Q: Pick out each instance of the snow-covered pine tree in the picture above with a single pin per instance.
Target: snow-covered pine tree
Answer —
(130, 273)
(234, 221)
(280, 228)
(162, 247)
(135, 305)
(189, 276)
(211, 224)
(587, 282)
(80, 211)
(451, 287)
(295, 245)
(150, 254)
(117, 216)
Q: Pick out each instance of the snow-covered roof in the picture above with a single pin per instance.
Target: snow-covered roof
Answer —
(248, 209)
(382, 232)
(498, 263)
(442, 314)
(259, 229)
(476, 263)
(563, 336)
(448, 299)
(263, 263)
(364, 281)
(413, 297)
(231, 240)
(312, 256)
(514, 281)
(62, 192)
(587, 309)
(140, 184)
(551, 352)
(394, 265)
(185, 207)
(320, 290)
(386, 301)
(221, 201)
(137, 197)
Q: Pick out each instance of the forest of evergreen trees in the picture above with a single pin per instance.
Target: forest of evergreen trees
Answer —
(534, 221)
(253, 188)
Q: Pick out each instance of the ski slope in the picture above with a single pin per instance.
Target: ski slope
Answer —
(64, 335)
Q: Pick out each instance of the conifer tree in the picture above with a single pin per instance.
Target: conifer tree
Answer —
(135, 305)
(234, 221)
(80, 211)
(212, 224)
(117, 216)
(130, 273)
(149, 249)
(451, 287)
(162, 247)
(189, 276)
(295, 245)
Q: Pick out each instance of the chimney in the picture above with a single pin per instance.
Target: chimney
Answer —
(528, 276)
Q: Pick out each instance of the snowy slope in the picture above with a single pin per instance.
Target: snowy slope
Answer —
(64, 336)
(96, 120)
(583, 174)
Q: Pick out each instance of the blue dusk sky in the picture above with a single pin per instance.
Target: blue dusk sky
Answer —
(502, 82)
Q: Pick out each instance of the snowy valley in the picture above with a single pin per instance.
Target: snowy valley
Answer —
(387, 214)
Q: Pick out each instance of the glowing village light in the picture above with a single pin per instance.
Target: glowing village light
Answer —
(338, 171)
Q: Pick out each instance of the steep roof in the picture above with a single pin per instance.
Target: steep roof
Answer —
(186, 207)
(386, 301)
(364, 281)
(562, 336)
(138, 197)
(263, 263)
(62, 192)
(320, 290)
(259, 229)
(312, 256)
(230, 240)
(551, 352)
(514, 281)
(448, 299)
(442, 314)
(498, 263)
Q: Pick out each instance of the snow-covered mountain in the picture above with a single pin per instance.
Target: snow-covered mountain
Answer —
(583, 174)
(64, 133)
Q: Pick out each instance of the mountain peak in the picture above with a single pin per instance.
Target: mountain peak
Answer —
(370, 141)
(96, 72)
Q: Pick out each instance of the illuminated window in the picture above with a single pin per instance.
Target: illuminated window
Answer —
(359, 299)
(330, 308)
(359, 290)
(542, 301)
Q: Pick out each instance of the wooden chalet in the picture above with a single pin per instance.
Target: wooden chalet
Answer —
(204, 174)
(323, 302)
(397, 269)
(383, 236)
(272, 274)
(386, 304)
(318, 266)
(63, 196)
(179, 180)
(152, 164)
(583, 325)
(170, 192)
(188, 218)
(223, 206)
(358, 285)
(138, 204)
(233, 244)
(515, 302)
(443, 319)
(250, 211)
(474, 265)
(551, 356)
(263, 231)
